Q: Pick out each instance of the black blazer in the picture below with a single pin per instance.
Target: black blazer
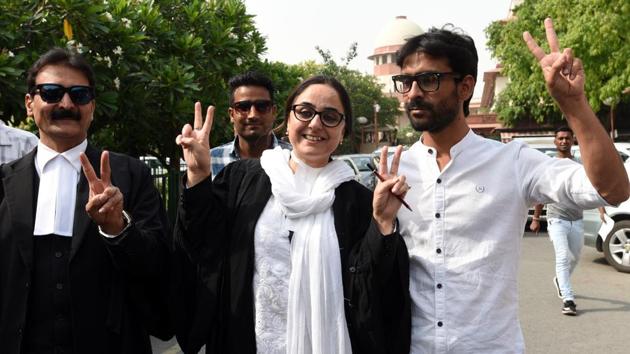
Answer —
(216, 222)
(114, 283)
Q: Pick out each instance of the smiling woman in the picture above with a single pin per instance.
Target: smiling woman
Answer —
(313, 262)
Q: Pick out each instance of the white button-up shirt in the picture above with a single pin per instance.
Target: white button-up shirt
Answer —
(464, 238)
(14, 143)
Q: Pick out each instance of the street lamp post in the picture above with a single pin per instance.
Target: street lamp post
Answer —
(377, 108)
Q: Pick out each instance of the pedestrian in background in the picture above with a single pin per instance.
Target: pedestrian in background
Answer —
(566, 230)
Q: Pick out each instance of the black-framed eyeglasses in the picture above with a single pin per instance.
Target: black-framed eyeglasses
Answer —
(329, 117)
(427, 81)
(53, 93)
(262, 106)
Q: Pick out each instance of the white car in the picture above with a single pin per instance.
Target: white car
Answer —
(358, 163)
(612, 239)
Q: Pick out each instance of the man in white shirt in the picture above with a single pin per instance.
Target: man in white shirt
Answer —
(14, 143)
(81, 254)
(470, 195)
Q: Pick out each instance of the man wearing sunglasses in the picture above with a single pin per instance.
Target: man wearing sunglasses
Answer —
(82, 232)
(252, 112)
(470, 195)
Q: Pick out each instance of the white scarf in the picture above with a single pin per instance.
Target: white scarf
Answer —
(316, 321)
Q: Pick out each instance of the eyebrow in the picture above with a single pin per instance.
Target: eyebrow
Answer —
(306, 103)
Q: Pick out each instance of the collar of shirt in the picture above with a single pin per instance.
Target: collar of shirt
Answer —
(468, 140)
(46, 154)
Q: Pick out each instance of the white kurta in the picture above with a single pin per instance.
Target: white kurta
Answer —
(464, 235)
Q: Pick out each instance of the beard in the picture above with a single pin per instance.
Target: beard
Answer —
(436, 117)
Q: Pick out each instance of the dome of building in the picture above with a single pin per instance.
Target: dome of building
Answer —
(397, 32)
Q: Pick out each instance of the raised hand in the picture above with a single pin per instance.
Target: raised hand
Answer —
(105, 202)
(564, 74)
(385, 205)
(195, 144)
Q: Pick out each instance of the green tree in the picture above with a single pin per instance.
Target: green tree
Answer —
(364, 91)
(153, 60)
(597, 31)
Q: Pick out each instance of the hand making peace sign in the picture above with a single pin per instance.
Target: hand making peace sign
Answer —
(195, 144)
(564, 74)
(105, 202)
(385, 204)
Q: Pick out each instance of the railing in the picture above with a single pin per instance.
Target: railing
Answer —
(167, 184)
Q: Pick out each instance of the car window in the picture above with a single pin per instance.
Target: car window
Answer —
(362, 162)
(349, 163)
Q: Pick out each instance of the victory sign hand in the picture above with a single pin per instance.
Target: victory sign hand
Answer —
(385, 204)
(564, 74)
(105, 202)
(195, 144)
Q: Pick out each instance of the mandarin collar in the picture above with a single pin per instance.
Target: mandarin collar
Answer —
(460, 146)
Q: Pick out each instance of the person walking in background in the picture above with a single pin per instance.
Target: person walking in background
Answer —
(252, 112)
(565, 228)
(302, 257)
(470, 195)
(81, 254)
(15, 143)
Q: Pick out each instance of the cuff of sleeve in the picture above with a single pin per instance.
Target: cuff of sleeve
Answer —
(196, 193)
(382, 245)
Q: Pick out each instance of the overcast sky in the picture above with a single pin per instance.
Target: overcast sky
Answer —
(294, 27)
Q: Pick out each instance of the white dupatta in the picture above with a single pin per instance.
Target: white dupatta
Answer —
(316, 321)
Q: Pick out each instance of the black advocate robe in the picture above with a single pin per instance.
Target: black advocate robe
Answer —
(115, 289)
(216, 222)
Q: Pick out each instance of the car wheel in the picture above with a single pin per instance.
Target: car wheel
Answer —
(617, 246)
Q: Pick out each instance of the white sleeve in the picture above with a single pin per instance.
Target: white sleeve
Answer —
(545, 180)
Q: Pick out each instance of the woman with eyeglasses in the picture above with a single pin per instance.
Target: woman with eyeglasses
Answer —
(301, 257)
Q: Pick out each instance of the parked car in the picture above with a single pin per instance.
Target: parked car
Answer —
(358, 162)
(615, 242)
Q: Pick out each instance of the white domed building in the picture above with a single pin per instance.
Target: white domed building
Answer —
(387, 43)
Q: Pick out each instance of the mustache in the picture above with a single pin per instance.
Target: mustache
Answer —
(65, 114)
(418, 103)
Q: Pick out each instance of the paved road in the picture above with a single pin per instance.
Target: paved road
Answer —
(603, 298)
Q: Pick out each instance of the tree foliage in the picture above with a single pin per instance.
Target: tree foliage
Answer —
(598, 31)
(364, 91)
(153, 60)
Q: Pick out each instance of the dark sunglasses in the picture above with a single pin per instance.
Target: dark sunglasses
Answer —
(329, 117)
(53, 93)
(262, 106)
(427, 82)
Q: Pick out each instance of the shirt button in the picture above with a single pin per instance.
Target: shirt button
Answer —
(58, 254)
(439, 250)
(439, 181)
(439, 286)
(59, 286)
(430, 151)
(353, 269)
(440, 324)
(437, 215)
